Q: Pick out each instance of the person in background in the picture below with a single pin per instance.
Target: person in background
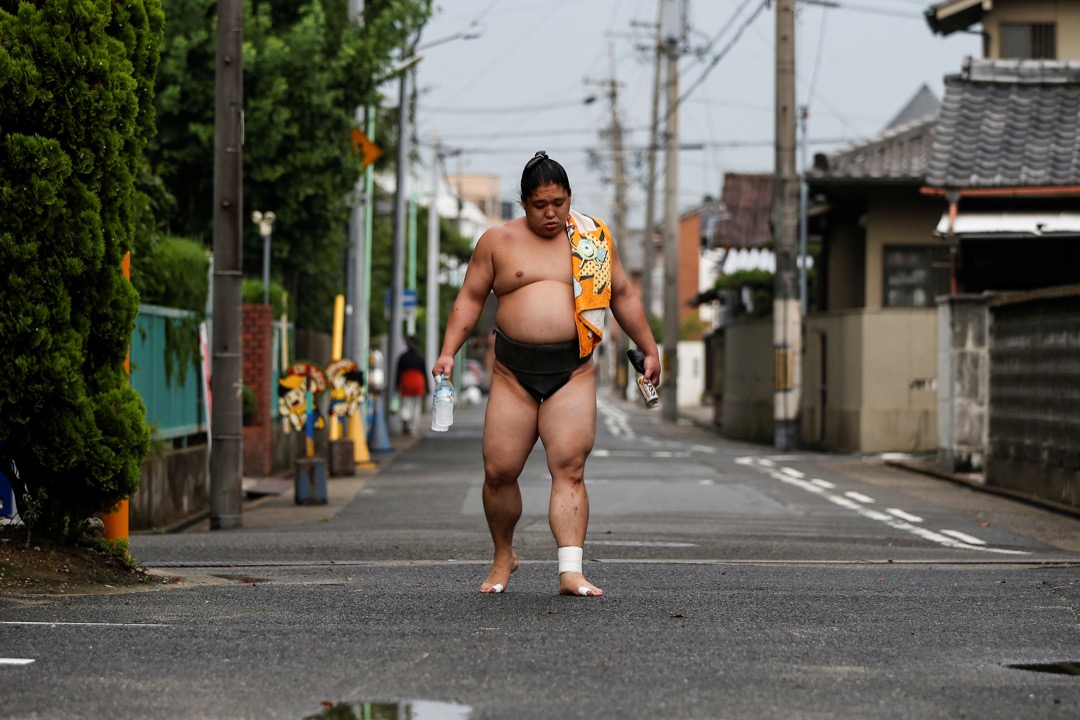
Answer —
(412, 384)
(555, 273)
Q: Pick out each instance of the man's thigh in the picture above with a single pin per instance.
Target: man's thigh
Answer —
(568, 421)
(510, 424)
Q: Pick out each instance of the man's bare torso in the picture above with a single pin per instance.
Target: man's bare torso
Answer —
(533, 284)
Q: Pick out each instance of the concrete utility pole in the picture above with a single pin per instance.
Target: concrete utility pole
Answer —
(673, 22)
(618, 221)
(226, 424)
(649, 237)
(396, 340)
(355, 332)
(431, 324)
(787, 320)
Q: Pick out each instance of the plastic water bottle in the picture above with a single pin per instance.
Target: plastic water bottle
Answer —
(442, 405)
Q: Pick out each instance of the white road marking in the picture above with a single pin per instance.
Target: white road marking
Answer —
(823, 483)
(963, 537)
(616, 421)
(894, 518)
(903, 515)
(638, 543)
(859, 497)
(15, 661)
(605, 453)
(78, 624)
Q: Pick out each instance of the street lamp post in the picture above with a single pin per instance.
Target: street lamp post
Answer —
(265, 221)
(395, 339)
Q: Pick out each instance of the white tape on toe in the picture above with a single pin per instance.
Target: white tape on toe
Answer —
(497, 588)
(583, 591)
(570, 559)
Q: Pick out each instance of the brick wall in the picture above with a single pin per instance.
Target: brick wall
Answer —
(258, 344)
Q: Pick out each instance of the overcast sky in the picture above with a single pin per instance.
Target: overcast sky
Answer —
(521, 86)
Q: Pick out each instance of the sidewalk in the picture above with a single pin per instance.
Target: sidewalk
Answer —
(270, 502)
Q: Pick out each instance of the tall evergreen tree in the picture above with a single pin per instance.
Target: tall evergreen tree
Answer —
(76, 109)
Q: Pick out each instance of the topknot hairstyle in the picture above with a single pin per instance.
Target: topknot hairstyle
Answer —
(542, 170)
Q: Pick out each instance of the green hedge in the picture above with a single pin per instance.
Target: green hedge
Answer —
(76, 108)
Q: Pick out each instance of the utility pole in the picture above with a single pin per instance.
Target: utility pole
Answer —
(649, 237)
(401, 193)
(787, 320)
(618, 225)
(431, 324)
(356, 332)
(673, 24)
(226, 424)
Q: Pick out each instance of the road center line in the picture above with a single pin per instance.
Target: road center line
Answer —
(15, 662)
(77, 624)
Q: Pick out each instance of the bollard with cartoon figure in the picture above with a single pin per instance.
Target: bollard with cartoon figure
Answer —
(297, 391)
(347, 397)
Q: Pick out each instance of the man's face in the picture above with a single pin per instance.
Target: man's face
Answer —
(547, 210)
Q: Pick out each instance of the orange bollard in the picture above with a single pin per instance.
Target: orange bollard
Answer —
(116, 522)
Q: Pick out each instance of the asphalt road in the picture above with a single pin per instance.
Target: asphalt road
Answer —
(739, 584)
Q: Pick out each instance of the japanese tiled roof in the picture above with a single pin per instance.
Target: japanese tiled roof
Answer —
(899, 154)
(748, 199)
(1009, 124)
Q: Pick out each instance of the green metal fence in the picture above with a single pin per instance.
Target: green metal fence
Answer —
(174, 405)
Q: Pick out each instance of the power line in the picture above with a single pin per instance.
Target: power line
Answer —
(720, 55)
(487, 110)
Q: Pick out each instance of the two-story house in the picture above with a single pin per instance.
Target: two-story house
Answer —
(973, 197)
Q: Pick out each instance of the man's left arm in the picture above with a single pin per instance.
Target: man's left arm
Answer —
(628, 312)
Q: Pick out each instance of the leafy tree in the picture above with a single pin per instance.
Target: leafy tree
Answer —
(306, 68)
(76, 85)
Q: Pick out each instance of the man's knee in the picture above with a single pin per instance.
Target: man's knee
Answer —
(498, 475)
(571, 473)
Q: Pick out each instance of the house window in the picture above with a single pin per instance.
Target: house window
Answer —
(1028, 41)
(915, 275)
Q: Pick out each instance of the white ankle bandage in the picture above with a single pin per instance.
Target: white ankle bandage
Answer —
(570, 559)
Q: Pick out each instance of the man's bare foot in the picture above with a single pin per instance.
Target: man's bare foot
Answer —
(571, 583)
(499, 577)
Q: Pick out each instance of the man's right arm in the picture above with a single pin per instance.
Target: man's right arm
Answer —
(479, 280)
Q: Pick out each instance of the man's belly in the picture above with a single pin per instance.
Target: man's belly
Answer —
(539, 313)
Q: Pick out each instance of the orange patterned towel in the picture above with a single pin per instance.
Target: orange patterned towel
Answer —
(590, 252)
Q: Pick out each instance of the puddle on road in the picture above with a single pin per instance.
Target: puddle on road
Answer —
(403, 710)
(1055, 668)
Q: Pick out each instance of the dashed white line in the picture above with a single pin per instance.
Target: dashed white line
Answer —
(15, 662)
(80, 624)
(823, 483)
(859, 497)
(963, 537)
(903, 515)
(894, 517)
